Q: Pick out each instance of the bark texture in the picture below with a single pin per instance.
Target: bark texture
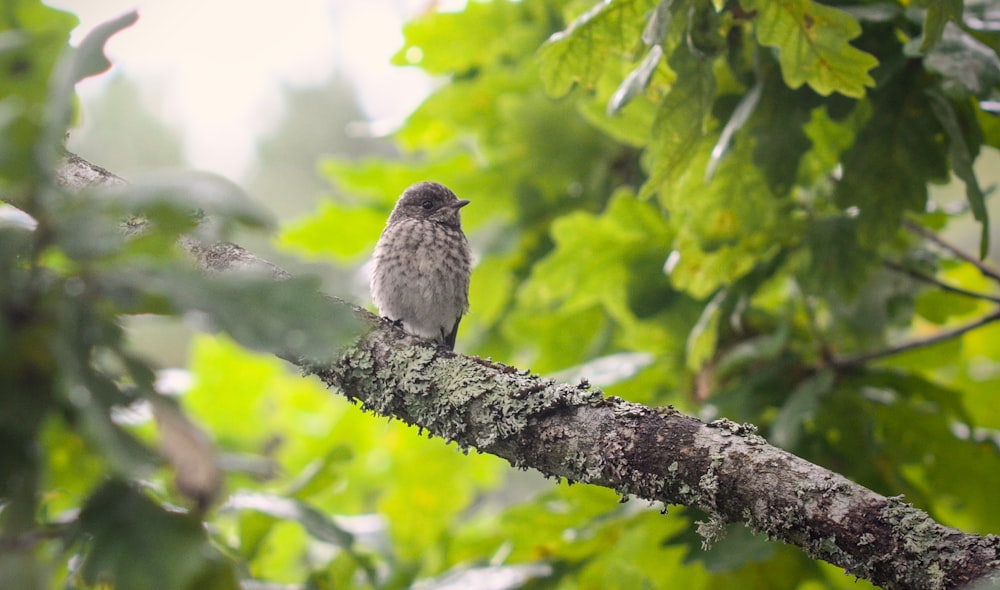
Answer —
(577, 433)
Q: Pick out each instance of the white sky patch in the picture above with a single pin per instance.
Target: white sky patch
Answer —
(214, 69)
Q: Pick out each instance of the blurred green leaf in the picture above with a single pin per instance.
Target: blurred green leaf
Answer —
(837, 261)
(756, 350)
(32, 37)
(702, 340)
(967, 66)
(132, 542)
(736, 121)
(726, 227)
(468, 48)
(203, 193)
(680, 121)
(737, 548)
(939, 13)
(577, 55)
(812, 44)
(963, 143)
(314, 521)
(290, 317)
(895, 155)
(607, 370)
(342, 232)
(637, 80)
(89, 59)
(804, 401)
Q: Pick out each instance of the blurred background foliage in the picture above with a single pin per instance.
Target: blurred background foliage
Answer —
(744, 209)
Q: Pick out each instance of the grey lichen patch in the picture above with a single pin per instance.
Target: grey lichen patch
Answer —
(502, 416)
(581, 467)
(708, 484)
(711, 531)
(411, 365)
(936, 576)
(624, 409)
(746, 430)
(689, 496)
(918, 532)
(836, 488)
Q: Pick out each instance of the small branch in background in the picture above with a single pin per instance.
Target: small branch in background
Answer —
(932, 280)
(854, 361)
(29, 540)
(928, 235)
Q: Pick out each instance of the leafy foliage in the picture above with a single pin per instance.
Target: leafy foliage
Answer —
(725, 206)
(90, 443)
(741, 191)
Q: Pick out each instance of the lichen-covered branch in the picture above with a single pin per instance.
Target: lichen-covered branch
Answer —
(726, 469)
(577, 433)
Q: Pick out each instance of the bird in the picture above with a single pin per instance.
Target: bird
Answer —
(421, 265)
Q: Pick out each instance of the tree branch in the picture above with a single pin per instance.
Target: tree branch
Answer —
(932, 280)
(579, 434)
(857, 360)
(930, 236)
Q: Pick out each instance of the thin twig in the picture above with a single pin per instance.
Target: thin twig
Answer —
(933, 237)
(930, 279)
(853, 361)
(29, 540)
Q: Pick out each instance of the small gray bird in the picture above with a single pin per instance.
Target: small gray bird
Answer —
(420, 272)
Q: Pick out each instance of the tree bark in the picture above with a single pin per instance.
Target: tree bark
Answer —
(577, 433)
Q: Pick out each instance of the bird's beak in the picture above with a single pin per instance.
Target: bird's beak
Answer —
(459, 203)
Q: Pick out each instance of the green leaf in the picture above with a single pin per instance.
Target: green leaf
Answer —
(290, 317)
(829, 139)
(189, 193)
(739, 547)
(800, 406)
(939, 12)
(315, 522)
(837, 261)
(812, 43)
(742, 112)
(757, 350)
(605, 270)
(32, 37)
(705, 33)
(725, 228)
(590, 264)
(702, 339)
(780, 129)
(381, 182)
(443, 42)
(125, 455)
(606, 371)
(894, 157)
(341, 232)
(967, 66)
(637, 80)
(132, 542)
(89, 59)
(962, 157)
(680, 121)
(658, 23)
(938, 306)
(579, 54)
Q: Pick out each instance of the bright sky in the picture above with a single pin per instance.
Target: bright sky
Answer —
(214, 68)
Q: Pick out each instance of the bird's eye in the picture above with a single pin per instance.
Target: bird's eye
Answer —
(427, 205)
